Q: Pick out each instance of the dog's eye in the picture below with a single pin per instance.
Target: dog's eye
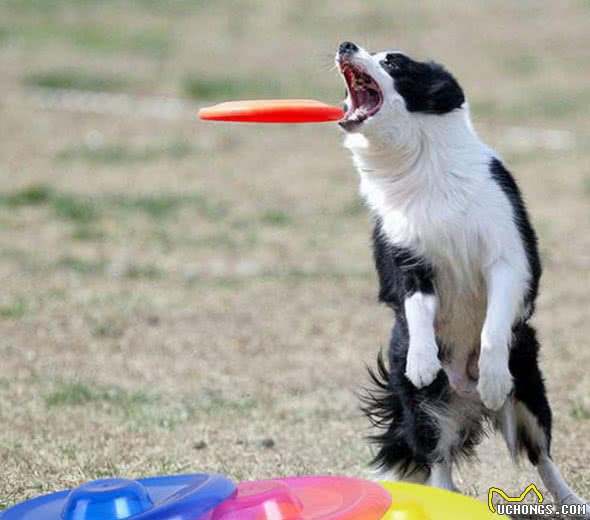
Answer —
(392, 62)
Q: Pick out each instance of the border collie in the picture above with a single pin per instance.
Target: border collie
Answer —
(458, 262)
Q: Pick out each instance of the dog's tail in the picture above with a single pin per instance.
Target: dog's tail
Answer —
(382, 405)
(378, 402)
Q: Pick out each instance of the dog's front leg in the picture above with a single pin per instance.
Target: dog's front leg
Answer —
(422, 364)
(505, 290)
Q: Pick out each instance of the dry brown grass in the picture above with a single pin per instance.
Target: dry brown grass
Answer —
(175, 293)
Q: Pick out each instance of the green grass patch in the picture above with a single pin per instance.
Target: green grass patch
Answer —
(65, 206)
(29, 196)
(164, 205)
(88, 233)
(72, 393)
(50, 7)
(76, 393)
(136, 271)
(85, 210)
(13, 310)
(551, 105)
(294, 276)
(579, 411)
(116, 153)
(99, 267)
(523, 65)
(81, 266)
(156, 206)
(4, 37)
(72, 79)
(554, 105)
(276, 217)
(139, 406)
(155, 43)
(299, 84)
(216, 404)
(484, 107)
(47, 30)
(205, 86)
(111, 327)
(6, 503)
(354, 208)
(72, 207)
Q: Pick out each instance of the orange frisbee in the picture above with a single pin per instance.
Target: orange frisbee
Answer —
(272, 111)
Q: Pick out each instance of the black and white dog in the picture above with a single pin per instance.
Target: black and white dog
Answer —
(458, 262)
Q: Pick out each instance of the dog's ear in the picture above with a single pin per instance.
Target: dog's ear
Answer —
(445, 94)
(428, 87)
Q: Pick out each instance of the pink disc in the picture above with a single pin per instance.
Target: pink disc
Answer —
(305, 498)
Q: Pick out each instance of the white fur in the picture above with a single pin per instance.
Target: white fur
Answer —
(505, 286)
(506, 418)
(452, 420)
(441, 476)
(422, 364)
(427, 177)
(392, 475)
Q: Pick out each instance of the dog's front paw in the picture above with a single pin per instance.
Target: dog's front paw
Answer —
(495, 379)
(422, 366)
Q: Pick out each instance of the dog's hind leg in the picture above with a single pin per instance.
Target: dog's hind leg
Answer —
(441, 475)
(525, 419)
(419, 431)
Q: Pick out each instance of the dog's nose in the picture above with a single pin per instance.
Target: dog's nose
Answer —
(347, 48)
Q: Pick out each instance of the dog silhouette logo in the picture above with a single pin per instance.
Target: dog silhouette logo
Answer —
(532, 488)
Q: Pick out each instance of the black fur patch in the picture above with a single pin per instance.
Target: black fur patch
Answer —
(401, 273)
(425, 86)
(529, 388)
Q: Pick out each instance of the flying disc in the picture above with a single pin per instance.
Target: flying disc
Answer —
(176, 497)
(272, 111)
(305, 498)
(416, 502)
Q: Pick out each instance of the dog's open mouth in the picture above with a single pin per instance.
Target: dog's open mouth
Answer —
(365, 96)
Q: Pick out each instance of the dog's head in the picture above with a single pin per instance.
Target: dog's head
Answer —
(389, 89)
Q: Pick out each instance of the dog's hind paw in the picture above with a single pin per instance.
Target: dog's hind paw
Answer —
(576, 507)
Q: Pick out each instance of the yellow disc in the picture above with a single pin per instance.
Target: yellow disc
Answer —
(415, 502)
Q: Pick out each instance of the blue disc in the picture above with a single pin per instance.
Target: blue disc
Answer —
(177, 497)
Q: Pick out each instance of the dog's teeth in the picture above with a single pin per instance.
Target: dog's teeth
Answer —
(359, 113)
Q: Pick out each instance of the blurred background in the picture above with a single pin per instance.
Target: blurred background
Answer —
(180, 296)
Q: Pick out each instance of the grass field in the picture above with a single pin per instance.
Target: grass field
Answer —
(180, 296)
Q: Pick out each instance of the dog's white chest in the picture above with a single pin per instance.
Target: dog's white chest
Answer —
(456, 251)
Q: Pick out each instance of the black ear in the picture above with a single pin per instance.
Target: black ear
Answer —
(444, 93)
(427, 87)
